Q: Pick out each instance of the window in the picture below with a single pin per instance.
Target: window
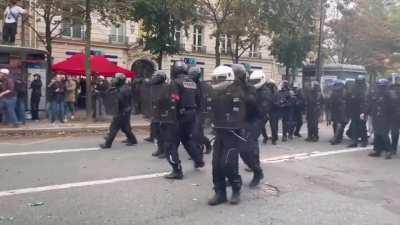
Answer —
(178, 36)
(226, 44)
(72, 28)
(198, 39)
(254, 51)
(118, 33)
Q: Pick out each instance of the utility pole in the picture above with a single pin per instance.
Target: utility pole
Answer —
(320, 40)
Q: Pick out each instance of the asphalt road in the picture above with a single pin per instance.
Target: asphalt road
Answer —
(69, 181)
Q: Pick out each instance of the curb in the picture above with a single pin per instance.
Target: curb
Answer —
(61, 131)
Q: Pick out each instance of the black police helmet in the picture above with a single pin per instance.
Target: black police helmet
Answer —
(178, 68)
(195, 73)
(159, 77)
(239, 71)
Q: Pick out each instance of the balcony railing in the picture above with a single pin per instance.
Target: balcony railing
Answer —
(255, 55)
(199, 49)
(118, 39)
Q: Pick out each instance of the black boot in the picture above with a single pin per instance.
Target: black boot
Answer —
(175, 175)
(353, 145)
(235, 199)
(265, 140)
(198, 165)
(218, 198)
(389, 155)
(284, 138)
(374, 154)
(258, 176)
(105, 146)
(273, 142)
(364, 144)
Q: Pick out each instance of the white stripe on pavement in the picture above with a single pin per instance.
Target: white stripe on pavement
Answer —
(4, 155)
(79, 184)
(302, 156)
(278, 159)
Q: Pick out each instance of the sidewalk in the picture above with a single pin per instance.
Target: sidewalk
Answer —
(79, 126)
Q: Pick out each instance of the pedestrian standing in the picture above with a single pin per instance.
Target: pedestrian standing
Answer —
(22, 93)
(36, 94)
(57, 89)
(8, 98)
(11, 15)
(70, 96)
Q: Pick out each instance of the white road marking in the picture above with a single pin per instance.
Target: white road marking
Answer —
(302, 156)
(278, 159)
(79, 184)
(29, 143)
(4, 155)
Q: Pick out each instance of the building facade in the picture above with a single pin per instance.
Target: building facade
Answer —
(122, 44)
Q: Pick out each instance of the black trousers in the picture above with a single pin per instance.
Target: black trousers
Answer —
(123, 123)
(338, 130)
(312, 125)
(170, 143)
(358, 129)
(155, 128)
(287, 121)
(298, 121)
(187, 127)
(198, 134)
(9, 33)
(35, 100)
(225, 162)
(274, 120)
(394, 134)
(382, 143)
(250, 149)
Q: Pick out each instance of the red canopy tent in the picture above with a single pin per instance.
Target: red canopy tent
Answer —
(75, 65)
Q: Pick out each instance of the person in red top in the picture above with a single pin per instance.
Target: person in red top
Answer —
(8, 97)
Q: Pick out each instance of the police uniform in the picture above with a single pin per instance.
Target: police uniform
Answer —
(379, 108)
(395, 120)
(337, 108)
(122, 116)
(285, 104)
(314, 101)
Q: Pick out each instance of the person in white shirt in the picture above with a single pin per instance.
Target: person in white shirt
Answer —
(11, 15)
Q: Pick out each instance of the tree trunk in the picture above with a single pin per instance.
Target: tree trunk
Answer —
(88, 71)
(236, 57)
(159, 59)
(287, 75)
(49, 49)
(217, 47)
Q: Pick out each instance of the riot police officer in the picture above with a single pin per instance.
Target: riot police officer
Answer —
(266, 97)
(314, 101)
(122, 117)
(337, 108)
(203, 91)
(228, 117)
(395, 119)
(298, 110)
(380, 111)
(158, 84)
(189, 101)
(356, 102)
(285, 104)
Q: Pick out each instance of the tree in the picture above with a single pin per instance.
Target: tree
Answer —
(109, 12)
(366, 34)
(292, 23)
(160, 19)
(217, 13)
(246, 24)
(52, 13)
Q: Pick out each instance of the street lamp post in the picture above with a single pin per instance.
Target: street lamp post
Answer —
(320, 40)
